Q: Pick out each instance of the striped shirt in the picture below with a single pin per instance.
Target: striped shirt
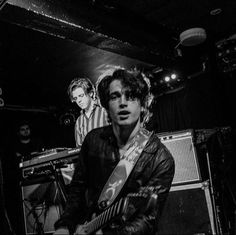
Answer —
(84, 124)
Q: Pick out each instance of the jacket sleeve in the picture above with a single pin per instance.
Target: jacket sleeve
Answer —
(75, 209)
(162, 175)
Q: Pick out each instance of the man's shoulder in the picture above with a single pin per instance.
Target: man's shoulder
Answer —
(104, 131)
(155, 144)
(80, 116)
(162, 147)
(99, 107)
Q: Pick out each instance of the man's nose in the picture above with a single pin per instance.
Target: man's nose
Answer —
(123, 100)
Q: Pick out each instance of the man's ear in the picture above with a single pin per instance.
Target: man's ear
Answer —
(92, 94)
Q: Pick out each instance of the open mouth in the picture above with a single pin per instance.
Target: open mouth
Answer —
(121, 113)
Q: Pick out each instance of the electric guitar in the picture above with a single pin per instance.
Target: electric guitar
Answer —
(143, 200)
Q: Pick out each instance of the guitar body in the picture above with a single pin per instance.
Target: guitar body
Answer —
(121, 210)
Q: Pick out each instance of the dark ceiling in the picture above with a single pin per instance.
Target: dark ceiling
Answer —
(44, 44)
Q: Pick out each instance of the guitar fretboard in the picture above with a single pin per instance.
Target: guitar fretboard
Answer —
(105, 217)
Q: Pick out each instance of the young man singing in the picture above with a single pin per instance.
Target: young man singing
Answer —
(118, 160)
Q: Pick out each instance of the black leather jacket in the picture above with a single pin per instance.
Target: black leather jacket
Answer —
(98, 157)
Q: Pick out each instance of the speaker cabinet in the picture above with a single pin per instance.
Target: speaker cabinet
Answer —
(188, 211)
(181, 145)
(41, 207)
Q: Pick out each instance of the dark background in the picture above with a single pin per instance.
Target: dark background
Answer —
(45, 44)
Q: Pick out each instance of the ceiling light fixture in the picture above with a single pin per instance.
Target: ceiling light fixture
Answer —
(173, 76)
(215, 11)
(192, 37)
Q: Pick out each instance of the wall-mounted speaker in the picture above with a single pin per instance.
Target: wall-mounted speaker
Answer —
(181, 145)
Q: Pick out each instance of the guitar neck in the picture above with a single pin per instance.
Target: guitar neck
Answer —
(105, 217)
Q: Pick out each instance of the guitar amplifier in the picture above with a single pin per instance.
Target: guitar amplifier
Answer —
(181, 145)
(188, 211)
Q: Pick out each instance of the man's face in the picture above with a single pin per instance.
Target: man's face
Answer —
(82, 100)
(123, 109)
(24, 131)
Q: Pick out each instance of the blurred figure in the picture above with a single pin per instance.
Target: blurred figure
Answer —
(26, 145)
(20, 147)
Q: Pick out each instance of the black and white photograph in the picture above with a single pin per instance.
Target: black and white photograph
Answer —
(117, 117)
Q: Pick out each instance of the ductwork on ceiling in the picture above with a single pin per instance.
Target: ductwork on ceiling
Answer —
(95, 23)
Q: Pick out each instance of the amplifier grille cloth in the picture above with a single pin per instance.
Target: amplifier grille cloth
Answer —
(183, 151)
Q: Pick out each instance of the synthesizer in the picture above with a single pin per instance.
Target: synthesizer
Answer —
(42, 164)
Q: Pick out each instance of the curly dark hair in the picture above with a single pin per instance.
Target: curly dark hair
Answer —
(132, 80)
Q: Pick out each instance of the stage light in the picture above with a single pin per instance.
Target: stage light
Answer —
(167, 78)
(173, 76)
(67, 119)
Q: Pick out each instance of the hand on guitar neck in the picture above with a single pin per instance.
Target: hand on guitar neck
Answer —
(143, 200)
(82, 229)
(122, 209)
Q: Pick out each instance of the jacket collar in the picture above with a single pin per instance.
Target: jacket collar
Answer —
(152, 145)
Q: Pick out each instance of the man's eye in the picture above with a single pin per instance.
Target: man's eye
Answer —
(113, 96)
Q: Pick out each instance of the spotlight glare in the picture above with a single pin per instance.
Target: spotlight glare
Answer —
(167, 79)
(173, 76)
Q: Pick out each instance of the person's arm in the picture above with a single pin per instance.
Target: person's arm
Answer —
(162, 176)
(78, 134)
(75, 209)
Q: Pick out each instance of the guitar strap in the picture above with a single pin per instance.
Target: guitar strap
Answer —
(123, 169)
